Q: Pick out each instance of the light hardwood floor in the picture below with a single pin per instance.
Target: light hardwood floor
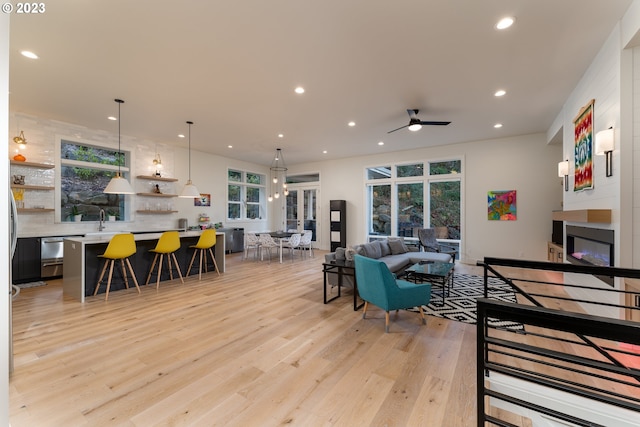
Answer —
(253, 347)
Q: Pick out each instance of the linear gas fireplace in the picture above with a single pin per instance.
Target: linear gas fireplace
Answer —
(591, 246)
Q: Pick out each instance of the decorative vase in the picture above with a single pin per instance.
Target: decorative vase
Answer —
(77, 218)
(112, 218)
(19, 158)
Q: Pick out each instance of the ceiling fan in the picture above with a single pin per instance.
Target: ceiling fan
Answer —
(416, 124)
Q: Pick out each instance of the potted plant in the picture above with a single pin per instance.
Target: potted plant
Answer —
(75, 213)
(112, 214)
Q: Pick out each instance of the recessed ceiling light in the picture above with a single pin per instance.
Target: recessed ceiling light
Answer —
(280, 135)
(180, 135)
(500, 93)
(497, 125)
(29, 54)
(352, 124)
(230, 146)
(299, 90)
(324, 152)
(380, 143)
(112, 118)
(505, 22)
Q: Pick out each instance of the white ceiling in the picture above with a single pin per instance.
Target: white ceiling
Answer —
(232, 66)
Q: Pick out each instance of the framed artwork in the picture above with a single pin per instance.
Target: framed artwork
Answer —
(203, 200)
(583, 148)
(502, 205)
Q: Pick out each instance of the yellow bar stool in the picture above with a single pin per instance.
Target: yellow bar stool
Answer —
(121, 247)
(168, 244)
(206, 241)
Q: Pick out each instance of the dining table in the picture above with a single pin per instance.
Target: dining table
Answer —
(281, 236)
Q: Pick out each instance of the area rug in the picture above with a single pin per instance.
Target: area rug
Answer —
(460, 304)
(31, 284)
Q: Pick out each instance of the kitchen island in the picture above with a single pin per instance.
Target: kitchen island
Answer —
(82, 264)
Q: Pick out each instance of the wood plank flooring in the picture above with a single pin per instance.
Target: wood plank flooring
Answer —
(253, 347)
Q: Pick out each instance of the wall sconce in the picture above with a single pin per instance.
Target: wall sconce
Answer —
(604, 146)
(563, 172)
(157, 164)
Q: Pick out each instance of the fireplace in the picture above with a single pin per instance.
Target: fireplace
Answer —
(591, 246)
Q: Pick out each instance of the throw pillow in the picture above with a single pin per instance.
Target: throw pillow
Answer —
(384, 248)
(340, 254)
(349, 253)
(371, 250)
(397, 246)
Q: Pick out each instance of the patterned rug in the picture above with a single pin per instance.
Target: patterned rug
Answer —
(460, 304)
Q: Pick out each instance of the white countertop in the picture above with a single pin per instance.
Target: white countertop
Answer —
(105, 236)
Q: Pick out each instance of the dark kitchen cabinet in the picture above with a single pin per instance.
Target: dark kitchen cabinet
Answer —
(25, 266)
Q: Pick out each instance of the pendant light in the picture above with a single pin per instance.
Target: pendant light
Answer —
(118, 184)
(278, 172)
(189, 189)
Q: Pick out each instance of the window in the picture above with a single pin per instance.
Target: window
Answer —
(84, 173)
(245, 195)
(406, 197)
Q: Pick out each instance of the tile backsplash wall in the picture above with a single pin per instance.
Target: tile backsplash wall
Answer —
(42, 137)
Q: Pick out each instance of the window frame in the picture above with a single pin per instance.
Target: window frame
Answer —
(393, 181)
(124, 169)
(244, 202)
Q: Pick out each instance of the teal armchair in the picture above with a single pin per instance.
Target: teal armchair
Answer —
(378, 286)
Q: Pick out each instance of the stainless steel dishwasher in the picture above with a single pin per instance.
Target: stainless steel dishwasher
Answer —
(51, 256)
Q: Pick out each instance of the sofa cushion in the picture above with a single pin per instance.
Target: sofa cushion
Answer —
(415, 257)
(384, 248)
(397, 246)
(370, 250)
(396, 263)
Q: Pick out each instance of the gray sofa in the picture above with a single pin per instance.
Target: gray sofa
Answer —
(392, 251)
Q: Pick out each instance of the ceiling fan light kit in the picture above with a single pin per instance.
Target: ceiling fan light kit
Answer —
(415, 124)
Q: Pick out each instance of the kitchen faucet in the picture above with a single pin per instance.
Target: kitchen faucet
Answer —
(101, 226)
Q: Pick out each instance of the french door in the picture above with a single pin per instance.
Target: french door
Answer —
(301, 206)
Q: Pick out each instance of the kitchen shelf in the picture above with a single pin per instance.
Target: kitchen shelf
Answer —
(32, 187)
(33, 210)
(157, 194)
(143, 211)
(156, 178)
(33, 164)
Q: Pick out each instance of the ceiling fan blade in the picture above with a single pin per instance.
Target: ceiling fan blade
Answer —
(434, 123)
(402, 127)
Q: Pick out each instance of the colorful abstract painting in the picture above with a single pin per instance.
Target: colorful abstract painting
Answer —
(502, 205)
(583, 148)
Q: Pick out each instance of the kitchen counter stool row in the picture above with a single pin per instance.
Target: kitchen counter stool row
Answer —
(134, 256)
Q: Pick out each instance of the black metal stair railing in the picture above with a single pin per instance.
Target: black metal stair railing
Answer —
(504, 351)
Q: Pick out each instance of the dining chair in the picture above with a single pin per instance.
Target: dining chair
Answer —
(120, 247)
(267, 242)
(292, 243)
(306, 242)
(251, 241)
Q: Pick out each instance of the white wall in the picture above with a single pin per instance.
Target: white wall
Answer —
(4, 219)
(525, 163)
(208, 172)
